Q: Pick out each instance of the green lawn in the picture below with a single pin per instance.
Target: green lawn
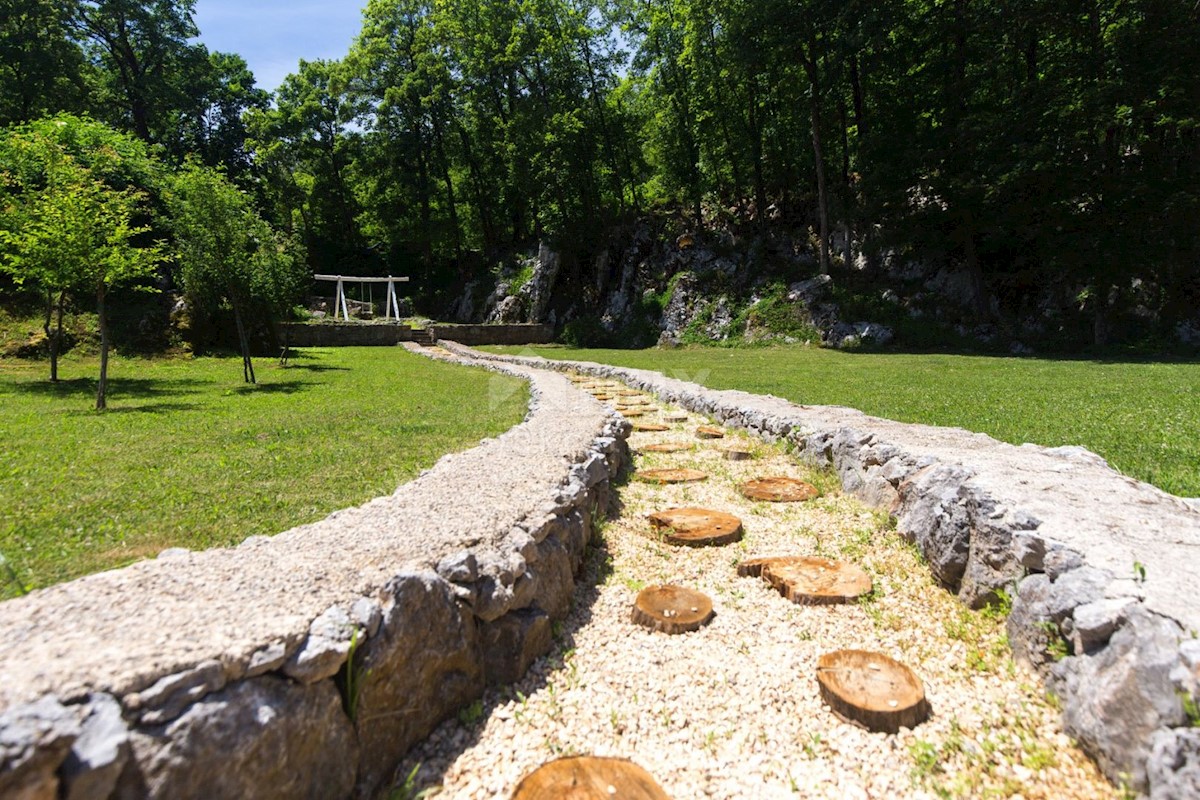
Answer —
(1144, 417)
(187, 455)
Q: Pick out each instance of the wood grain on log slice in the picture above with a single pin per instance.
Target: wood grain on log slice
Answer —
(650, 427)
(589, 778)
(778, 490)
(666, 447)
(872, 690)
(697, 527)
(736, 454)
(710, 432)
(671, 475)
(810, 580)
(672, 609)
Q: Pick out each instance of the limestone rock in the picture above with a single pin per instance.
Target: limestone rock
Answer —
(935, 518)
(1173, 771)
(261, 738)
(166, 699)
(513, 642)
(94, 764)
(424, 665)
(326, 648)
(34, 741)
(1115, 700)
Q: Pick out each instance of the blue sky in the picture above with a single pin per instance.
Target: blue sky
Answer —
(273, 35)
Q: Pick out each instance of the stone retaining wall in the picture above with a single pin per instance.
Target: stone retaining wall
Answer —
(306, 664)
(476, 335)
(1098, 566)
(343, 334)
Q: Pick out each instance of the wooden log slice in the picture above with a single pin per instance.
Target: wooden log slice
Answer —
(736, 454)
(778, 490)
(872, 690)
(603, 398)
(666, 447)
(589, 778)
(650, 427)
(629, 393)
(633, 413)
(676, 417)
(709, 432)
(672, 475)
(672, 609)
(697, 527)
(809, 580)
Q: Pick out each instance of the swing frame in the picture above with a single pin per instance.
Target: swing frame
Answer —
(340, 307)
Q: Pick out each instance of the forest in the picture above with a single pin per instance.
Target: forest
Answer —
(1036, 148)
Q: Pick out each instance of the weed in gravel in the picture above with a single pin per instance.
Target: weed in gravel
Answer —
(470, 714)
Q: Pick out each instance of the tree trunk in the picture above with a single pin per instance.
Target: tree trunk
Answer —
(244, 343)
(810, 66)
(102, 387)
(50, 338)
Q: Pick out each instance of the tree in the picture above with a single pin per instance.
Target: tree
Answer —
(142, 49)
(227, 253)
(62, 180)
(41, 69)
(76, 230)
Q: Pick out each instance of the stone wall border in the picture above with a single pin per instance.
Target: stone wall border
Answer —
(1096, 565)
(318, 679)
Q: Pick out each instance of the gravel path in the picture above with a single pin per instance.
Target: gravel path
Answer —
(733, 710)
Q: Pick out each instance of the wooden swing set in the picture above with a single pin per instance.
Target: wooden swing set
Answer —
(340, 307)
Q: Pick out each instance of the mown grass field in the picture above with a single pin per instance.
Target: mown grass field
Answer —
(1144, 417)
(187, 455)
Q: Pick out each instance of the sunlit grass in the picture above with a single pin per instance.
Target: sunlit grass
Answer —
(1144, 417)
(187, 455)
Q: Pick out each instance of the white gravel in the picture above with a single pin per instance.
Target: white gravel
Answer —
(733, 710)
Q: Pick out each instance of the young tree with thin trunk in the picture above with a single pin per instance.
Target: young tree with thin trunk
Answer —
(227, 254)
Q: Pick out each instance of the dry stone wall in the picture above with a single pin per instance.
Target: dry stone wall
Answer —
(306, 664)
(1101, 569)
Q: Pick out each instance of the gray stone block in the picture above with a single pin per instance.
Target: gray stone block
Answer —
(34, 741)
(98, 756)
(1116, 699)
(934, 515)
(166, 699)
(1173, 771)
(326, 648)
(513, 642)
(424, 665)
(260, 739)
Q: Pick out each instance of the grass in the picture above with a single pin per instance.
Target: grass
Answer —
(189, 456)
(1142, 416)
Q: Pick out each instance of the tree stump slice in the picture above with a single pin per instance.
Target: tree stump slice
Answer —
(603, 398)
(589, 778)
(629, 393)
(666, 447)
(675, 417)
(709, 432)
(650, 427)
(672, 609)
(872, 690)
(633, 413)
(778, 490)
(697, 527)
(736, 454)
(809, 580)
(672, 475)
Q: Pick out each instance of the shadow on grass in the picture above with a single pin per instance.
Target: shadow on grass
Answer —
(148, 408)
(281, 387)
(316, 367)
(118, 388)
